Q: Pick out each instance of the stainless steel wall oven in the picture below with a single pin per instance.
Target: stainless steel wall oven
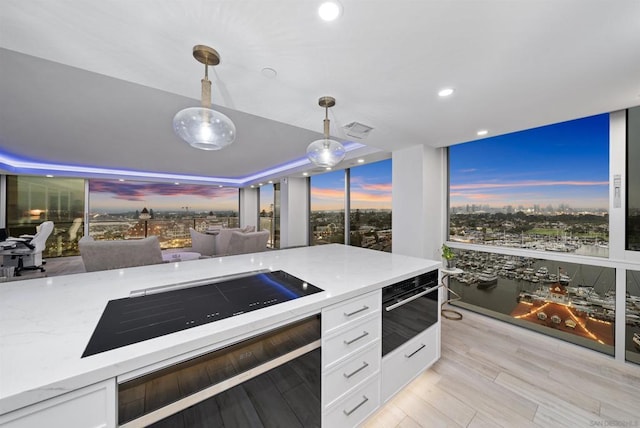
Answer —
(409, 307)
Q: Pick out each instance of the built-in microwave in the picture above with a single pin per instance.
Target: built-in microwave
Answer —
(409, 307)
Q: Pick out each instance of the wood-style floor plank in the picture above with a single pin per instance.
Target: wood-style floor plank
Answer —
(494, 374)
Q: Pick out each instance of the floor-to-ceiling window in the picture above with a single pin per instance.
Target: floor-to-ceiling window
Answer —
(368, 198)
(34, 199)
(370, 206)
(632, 317)
(326, 216)
(541, 191)
(632, 241)
(270, 213)
(633, 180)
(133, 209)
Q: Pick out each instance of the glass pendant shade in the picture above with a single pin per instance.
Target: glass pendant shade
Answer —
(325, 153)
(204, 128)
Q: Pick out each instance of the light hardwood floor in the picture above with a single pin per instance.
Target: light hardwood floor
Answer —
(494, 374)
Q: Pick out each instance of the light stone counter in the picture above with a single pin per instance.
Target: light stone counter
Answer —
(46, 323)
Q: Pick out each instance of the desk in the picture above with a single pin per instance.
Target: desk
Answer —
(450, 313)
(180, 256)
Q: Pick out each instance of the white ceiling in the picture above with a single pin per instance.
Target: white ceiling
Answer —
(97, 83)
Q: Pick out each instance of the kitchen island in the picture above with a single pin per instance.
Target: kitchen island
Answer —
(46, 323)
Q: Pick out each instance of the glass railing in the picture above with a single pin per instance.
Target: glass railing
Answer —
(571, 301)
(172, 233)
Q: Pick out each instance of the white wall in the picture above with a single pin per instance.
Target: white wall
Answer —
(249, 207)
(294, 212)
(418, 201)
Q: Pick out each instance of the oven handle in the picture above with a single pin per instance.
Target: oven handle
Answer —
(410, 299)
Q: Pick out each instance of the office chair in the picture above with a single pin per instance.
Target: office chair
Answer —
(27, 253)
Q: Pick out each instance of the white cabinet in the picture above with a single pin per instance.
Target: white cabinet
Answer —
(91, 407)
(350, 373)
(405, 363)
(355, 407)
(351, 334)
(348, 340)
(341, 314)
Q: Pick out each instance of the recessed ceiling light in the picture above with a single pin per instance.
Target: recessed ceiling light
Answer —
(482, 132)
(360, 160)
(305, 173)
(120, 179)
(328, 168)
(176, 183)
(329, 10)
(445, 92)
(270, 181)
(49, 176)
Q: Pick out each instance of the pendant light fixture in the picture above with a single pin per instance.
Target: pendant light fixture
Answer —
(202, 127)
(326, 153)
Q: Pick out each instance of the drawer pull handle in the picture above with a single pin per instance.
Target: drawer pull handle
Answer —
(364, 366)
(364, 308)
(364, 400)
(349, 342)
(415, 352)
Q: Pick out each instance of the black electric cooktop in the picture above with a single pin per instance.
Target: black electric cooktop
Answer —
(134, 319)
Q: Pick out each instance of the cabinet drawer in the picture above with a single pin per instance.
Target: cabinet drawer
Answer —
(354, 408)
(406, 362)
(345, 343)
(350, 373)
(339, 315)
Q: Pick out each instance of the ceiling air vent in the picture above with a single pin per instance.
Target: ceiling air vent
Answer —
(357, 130)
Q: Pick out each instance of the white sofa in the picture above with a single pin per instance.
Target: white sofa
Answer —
(104, 255)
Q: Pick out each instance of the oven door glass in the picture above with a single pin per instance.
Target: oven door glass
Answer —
(402, 321)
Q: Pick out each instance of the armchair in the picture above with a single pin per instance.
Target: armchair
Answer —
(202, 243)
(252, 242)
(27, 252)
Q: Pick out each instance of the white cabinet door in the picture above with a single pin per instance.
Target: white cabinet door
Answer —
(355, 407)
(408, 361)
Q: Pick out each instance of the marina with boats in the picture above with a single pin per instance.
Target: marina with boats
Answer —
(567, 297)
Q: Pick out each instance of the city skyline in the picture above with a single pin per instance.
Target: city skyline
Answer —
(561, 164)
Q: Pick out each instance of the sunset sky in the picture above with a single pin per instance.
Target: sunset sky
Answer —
(112, 196)
(565, 163)
(370, 188)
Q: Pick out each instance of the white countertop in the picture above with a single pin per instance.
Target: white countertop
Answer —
(46, 323)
